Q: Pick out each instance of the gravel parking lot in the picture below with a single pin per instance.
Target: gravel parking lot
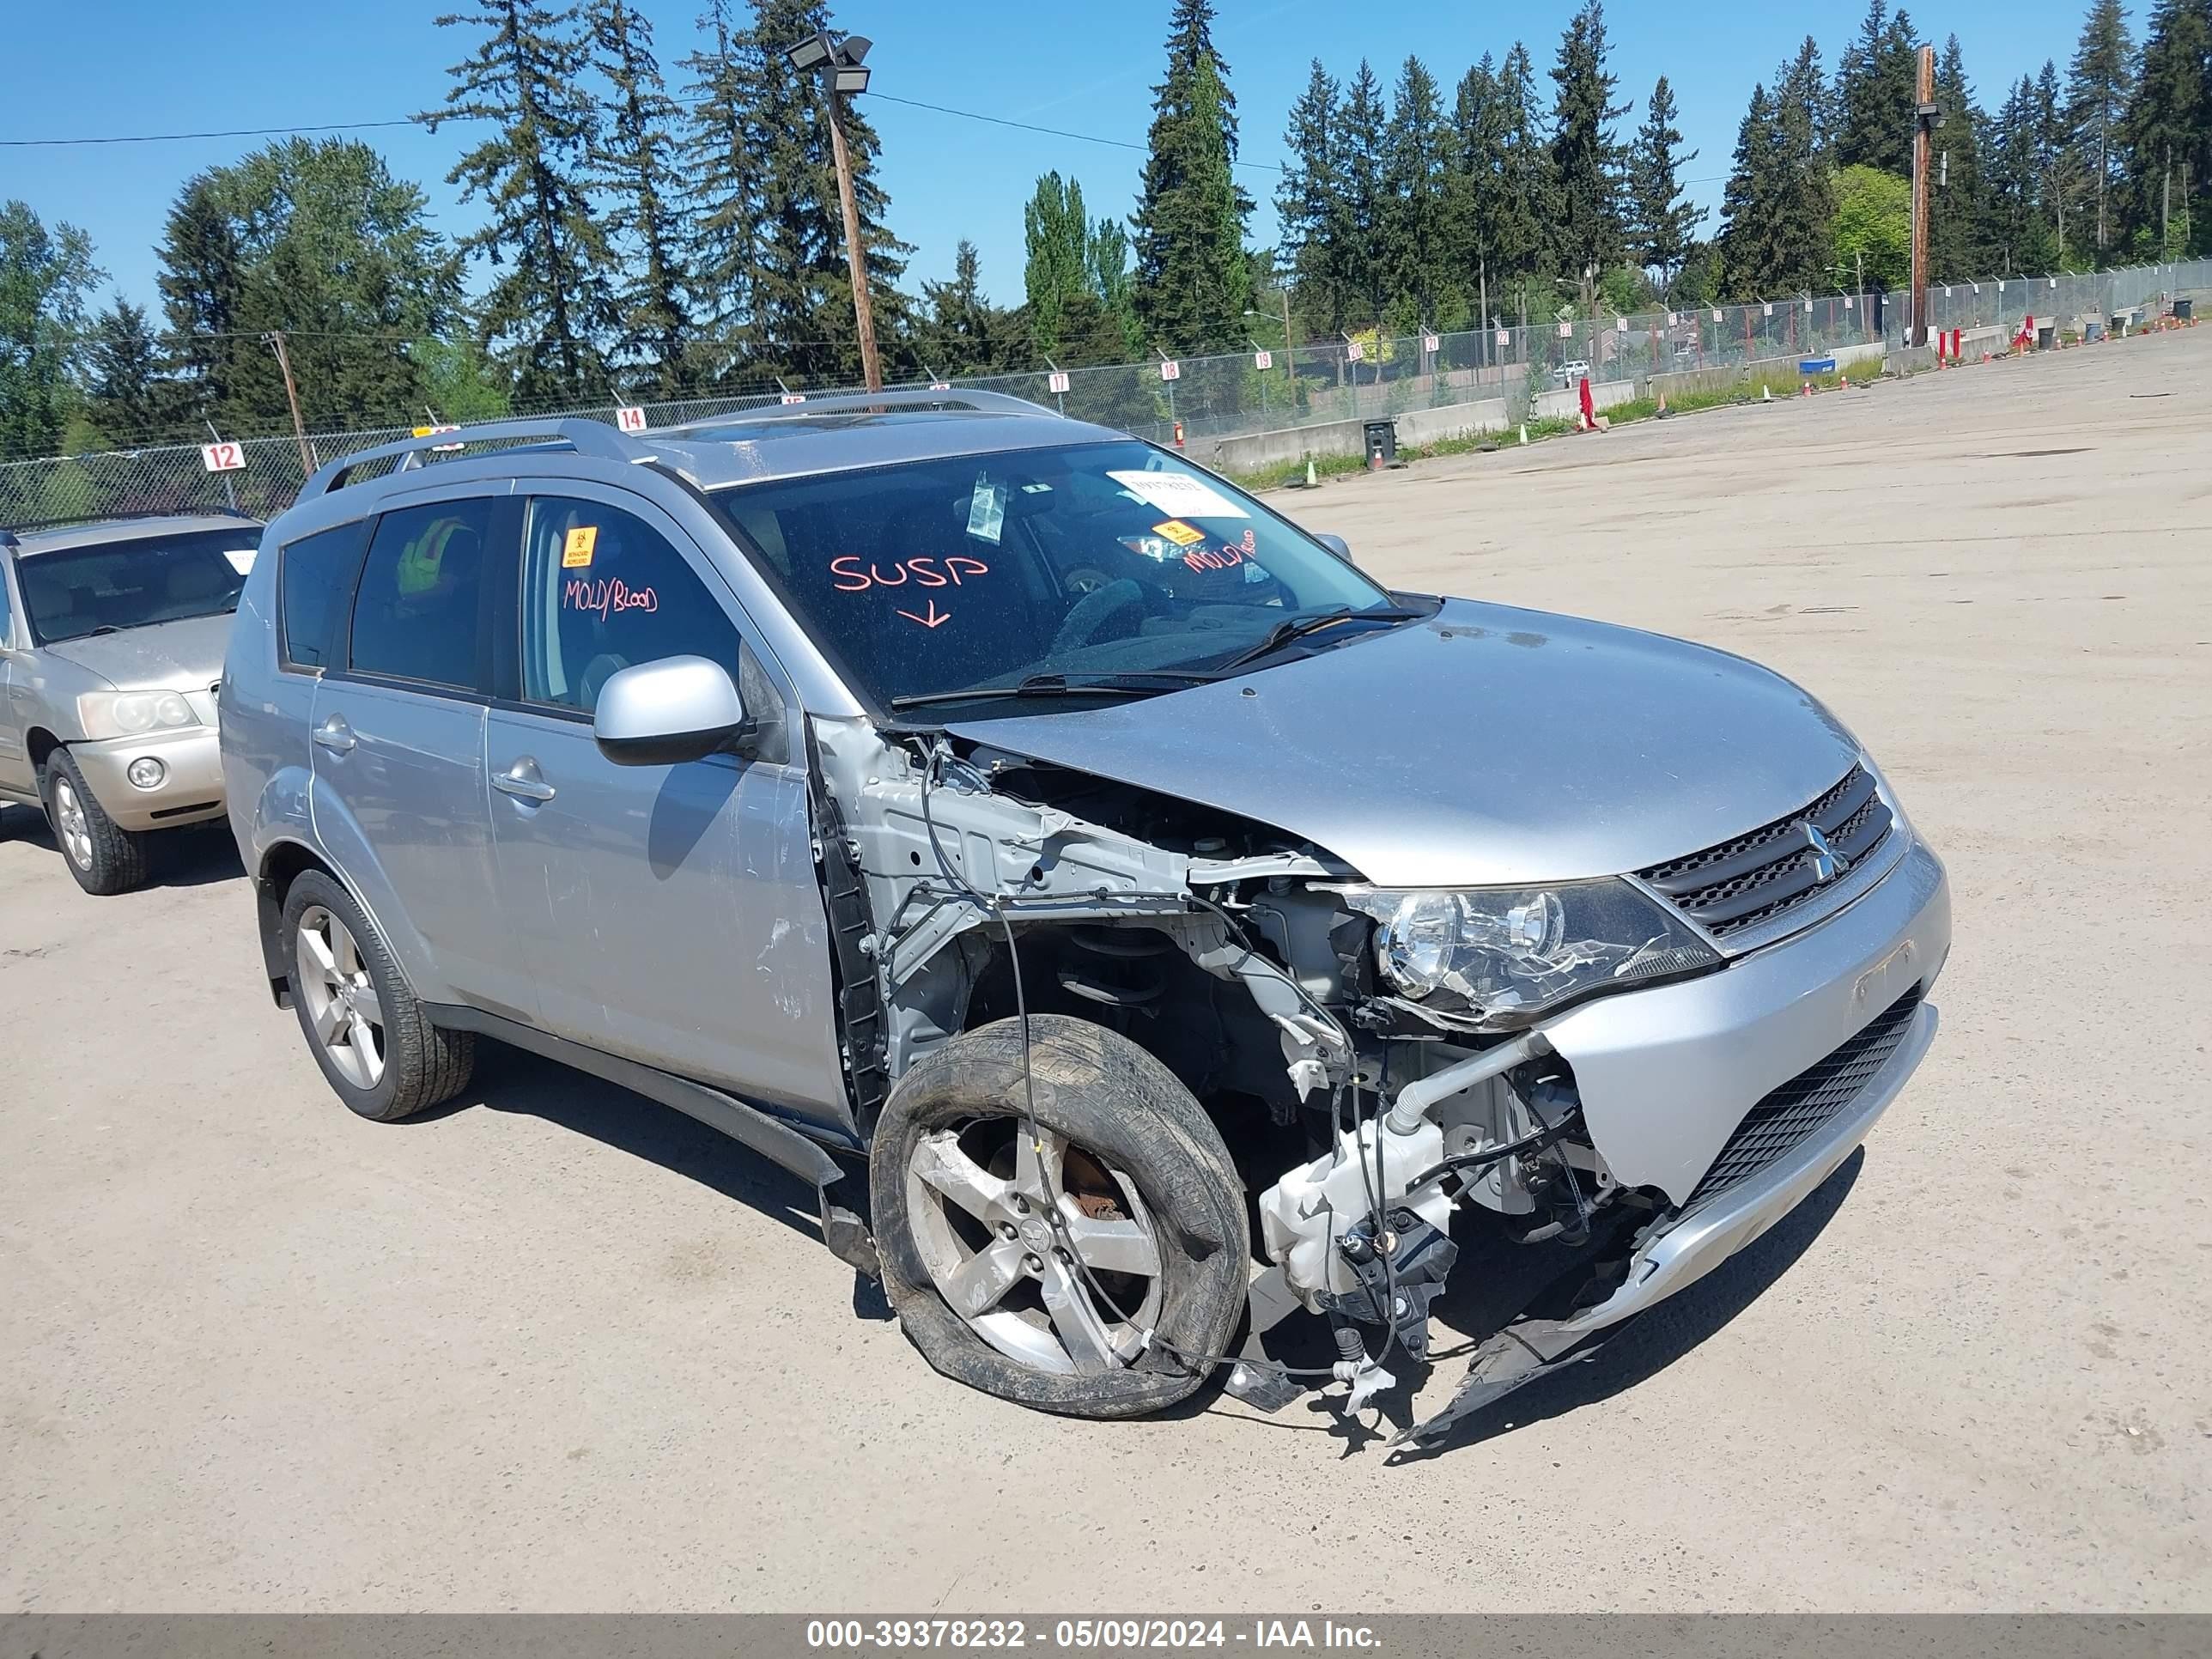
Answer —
(557, 1348)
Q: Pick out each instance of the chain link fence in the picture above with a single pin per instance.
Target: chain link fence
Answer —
(1200, 401)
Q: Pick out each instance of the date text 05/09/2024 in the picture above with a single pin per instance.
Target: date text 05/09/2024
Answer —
(1108, 1635)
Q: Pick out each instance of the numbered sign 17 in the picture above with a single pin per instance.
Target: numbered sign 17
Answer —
(630, 418)
(223, 457)
(1058, 380)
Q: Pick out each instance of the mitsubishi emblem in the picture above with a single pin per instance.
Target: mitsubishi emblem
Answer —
(1826, 866)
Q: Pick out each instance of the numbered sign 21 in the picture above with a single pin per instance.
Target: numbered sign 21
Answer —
(223, 457)
(630, 418)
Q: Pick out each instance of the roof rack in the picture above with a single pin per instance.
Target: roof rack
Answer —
(585, 436)
(9, 532)
(847, 402)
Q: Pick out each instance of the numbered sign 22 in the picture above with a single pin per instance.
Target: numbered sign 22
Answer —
(630, 418)
(227, 456)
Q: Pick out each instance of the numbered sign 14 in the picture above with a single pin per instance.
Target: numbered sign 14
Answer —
(630, 418)
(226, 457)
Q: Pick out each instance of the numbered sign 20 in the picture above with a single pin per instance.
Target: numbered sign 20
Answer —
(223, 457)
(630, 418)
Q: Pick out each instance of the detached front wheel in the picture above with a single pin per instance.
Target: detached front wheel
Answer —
(1089, 1262)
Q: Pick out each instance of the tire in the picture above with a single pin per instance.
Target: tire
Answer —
(1140, 1158)
(105, 860)
(374, 1040)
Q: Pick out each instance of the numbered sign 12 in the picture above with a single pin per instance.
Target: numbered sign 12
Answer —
(630, 418)
(227, 456)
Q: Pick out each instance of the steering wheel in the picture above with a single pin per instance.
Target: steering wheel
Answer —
(1089, 615)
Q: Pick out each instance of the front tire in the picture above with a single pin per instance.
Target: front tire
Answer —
(1092, 1271)
(374, 1043)
(105, 859)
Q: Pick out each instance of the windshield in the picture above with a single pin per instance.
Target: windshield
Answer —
(1078, 565)
(133, 584)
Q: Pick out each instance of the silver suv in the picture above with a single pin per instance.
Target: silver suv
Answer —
(112, 635)
(1016, 807)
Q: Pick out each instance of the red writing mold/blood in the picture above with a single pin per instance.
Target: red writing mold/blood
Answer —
(606, 596)
(923, 570)
(1231, 554)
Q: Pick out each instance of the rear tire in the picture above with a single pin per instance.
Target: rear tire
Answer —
(374, 1043)
(105, 859)
(1142, 1190)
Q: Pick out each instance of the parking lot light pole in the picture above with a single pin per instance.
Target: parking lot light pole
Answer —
(836, 60)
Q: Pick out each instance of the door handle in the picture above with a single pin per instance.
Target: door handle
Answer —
(522, 780)
(335, 734)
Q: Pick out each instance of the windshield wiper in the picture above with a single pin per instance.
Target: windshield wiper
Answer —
(1292, 628)
(1059, 685)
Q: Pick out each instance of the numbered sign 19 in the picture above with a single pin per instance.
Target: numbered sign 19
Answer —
(1058, 380)
(1171, 369)
(630, 418)
(223, 457)
(1263, 360)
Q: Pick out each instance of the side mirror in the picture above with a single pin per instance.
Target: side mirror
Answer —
(664, 712)
(1335, 544)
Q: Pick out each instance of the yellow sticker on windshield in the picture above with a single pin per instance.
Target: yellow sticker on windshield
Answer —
(1179, 532)
(581, 542)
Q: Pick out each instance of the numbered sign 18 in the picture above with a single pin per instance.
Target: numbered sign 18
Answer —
(1263, 360)
(223, 457)
(630, 418)
(1171, 369)
(1058, 380)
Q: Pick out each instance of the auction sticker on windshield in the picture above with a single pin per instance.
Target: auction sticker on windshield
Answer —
(1179, 495)
(1179, 532)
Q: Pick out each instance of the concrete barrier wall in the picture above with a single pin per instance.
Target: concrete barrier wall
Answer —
(1250, 452)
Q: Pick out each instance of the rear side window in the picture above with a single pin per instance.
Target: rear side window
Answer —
(415, 616)
(603, 591)
(314, 580)
(6, 614)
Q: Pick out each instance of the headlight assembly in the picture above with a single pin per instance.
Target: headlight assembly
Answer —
(133, 714)
(1506, 956)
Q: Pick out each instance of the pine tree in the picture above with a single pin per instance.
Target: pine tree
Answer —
(2097, 89)
(1804, 210)
(1523, 230)
(1586, 155)
(1662, 222)
(1107, 260)
(1358, 235)
(722, 202)
(2057, 172)
(1751, 259)
(1310, 202)
(44, 277)
(1959, 211)
(1193, 282)
(1873, 100)
(1416, 266)
(202, 284)
(1057, 237)
(635, 162)
(1474, 174)
(963, 333)
(2168, 131)
(2019, 237)
(123, 372)
(551, 310)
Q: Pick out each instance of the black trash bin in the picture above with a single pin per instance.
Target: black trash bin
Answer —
(2183, 310)
(1381, 442)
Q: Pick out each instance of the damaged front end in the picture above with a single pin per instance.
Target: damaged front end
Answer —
(1380, 1058)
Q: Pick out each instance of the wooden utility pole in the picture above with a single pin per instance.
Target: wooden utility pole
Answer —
(1925, 120)
(276, 338)
(856, 256)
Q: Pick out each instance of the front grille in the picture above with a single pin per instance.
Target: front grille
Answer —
(1790, 1113)
(1754, 878)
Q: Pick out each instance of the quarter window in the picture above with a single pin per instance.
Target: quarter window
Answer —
(314, 578)
(603, 591)
(416, 616)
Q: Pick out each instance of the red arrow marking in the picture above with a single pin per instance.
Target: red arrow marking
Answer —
(934, 617)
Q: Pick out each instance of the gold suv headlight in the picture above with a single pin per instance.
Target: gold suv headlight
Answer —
(133, 714)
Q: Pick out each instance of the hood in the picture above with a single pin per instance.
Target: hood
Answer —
(1487, 745)
(176, 656)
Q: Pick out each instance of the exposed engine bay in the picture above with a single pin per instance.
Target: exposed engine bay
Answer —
(977, 883)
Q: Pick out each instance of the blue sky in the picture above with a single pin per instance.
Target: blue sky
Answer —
(104, 66)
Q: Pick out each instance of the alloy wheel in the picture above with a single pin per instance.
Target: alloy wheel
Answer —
(1049, 1254)
(343, 1008)
(69, 820)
